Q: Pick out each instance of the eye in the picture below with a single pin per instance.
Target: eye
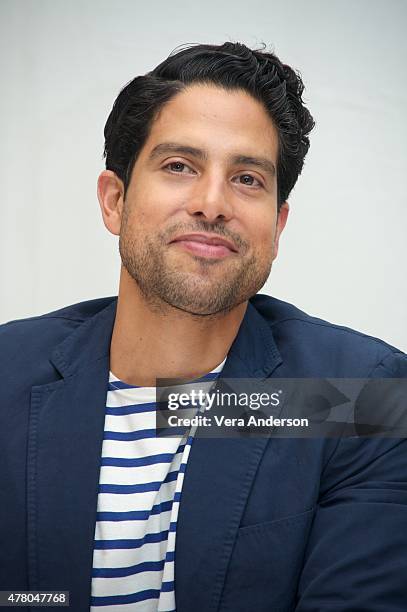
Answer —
(177, 167)
(249, 181)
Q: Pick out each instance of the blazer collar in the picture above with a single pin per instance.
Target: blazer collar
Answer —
(253, 353)
(89, 343)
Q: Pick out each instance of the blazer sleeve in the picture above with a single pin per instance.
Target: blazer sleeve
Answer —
(356, 556)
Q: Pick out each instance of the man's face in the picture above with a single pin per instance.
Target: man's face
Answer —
(199, 228)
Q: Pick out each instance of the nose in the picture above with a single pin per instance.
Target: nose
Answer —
(209, 199)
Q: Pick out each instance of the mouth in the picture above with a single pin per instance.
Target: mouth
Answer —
(205, 245)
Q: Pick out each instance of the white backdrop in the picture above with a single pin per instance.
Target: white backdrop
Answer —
(343, 253)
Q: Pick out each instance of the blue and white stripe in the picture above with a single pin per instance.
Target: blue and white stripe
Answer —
(141, 478)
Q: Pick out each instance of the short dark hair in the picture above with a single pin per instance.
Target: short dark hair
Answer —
(232, 66)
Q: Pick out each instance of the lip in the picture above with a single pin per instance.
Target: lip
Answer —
(206, 239)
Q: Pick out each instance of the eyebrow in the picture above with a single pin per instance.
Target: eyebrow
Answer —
(173, 147)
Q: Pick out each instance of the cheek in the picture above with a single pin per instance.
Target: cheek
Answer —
(154, 204)
(263, 231)
(265, 244)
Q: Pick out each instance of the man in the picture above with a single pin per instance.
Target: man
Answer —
(201, 155)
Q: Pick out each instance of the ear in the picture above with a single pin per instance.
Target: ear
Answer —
(111, 198)
(281, 221)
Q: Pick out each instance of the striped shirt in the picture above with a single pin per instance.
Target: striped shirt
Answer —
(140, 486)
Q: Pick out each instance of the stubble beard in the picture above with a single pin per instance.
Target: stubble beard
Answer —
(199, 292)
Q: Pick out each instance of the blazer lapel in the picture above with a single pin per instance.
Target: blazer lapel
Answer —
(217, 482)
(65, 440)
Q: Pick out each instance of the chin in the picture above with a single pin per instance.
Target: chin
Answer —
(202, 304)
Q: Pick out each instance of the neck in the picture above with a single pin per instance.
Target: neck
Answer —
(150, 343)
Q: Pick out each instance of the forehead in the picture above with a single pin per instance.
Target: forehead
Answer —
(217, 120)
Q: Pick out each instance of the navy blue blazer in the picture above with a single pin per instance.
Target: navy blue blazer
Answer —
(265, 524)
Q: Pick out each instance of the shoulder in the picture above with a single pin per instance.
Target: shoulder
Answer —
(338, 350)
(30, 341)
(63, 319)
